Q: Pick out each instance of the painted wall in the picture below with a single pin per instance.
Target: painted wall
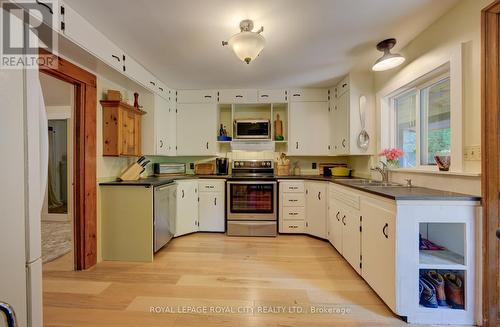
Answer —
(459, 25)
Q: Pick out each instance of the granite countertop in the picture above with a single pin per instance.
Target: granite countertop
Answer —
(399, 193)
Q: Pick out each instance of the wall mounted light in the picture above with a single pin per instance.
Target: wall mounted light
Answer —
(388, 60)
(247, 44)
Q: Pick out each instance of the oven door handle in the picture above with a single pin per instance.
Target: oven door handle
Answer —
(253, 183)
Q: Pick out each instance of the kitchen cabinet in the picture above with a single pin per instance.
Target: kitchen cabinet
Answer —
(346, 111)
(211, 207)
(309, 128)
(308, 95)
(272, 96)
(316, 208)
(345, 224)
(186, 218)
(237, 96)
(379, 237)
(196, 129)
(121, 129)
(196, 96)
(292, 210)
(85, 35)
(136, 72)
(158, 127)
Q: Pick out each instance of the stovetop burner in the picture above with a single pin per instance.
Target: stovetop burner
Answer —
(257, 169)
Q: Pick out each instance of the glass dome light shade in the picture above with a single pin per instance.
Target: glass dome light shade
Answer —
(247, 45)
(388, 61)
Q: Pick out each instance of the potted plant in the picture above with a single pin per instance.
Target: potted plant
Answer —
(392, 156)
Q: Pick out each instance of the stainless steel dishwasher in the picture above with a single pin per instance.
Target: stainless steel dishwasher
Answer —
(164, 215)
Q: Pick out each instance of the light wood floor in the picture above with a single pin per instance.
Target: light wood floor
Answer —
(217, 272)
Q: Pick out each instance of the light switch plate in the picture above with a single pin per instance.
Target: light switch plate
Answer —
(472, 153)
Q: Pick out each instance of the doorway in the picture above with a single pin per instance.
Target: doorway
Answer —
(57, 213)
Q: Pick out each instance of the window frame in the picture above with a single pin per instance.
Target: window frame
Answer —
(416, 87)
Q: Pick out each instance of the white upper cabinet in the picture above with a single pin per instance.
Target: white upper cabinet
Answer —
(157, 135)
(237, 96)
(138, 73)
(309, 129)
(196, 96)
(196, 129)
(84, 34)
(272, 96)
(308, 95)
(352, 104)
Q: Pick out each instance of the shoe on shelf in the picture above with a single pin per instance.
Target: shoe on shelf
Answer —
(428, 298)
(437, 280)
(425, 244)
(454, 289)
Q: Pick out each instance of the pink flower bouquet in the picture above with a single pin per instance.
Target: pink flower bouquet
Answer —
(392, 156)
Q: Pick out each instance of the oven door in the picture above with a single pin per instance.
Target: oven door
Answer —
(252, 129)
(251, 200)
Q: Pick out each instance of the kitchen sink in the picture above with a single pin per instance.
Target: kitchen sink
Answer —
(370, 183)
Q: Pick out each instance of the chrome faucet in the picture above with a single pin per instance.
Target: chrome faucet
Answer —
(384, 172)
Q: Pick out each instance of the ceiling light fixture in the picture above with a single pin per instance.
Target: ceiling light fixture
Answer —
(247, 44)
(388, 60)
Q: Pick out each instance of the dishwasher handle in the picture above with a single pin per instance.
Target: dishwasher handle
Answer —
(9, 313)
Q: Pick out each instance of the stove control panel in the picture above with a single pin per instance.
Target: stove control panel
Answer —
(253, 164)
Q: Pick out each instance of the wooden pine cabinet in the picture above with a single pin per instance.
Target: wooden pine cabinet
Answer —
(186, 219)
(196, 129)
(211, 207)
(379, 236)
(121, 129)
(309, 128)
(316, 208)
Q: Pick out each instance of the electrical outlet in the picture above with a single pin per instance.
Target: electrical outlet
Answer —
(191, 165)
(314, 165)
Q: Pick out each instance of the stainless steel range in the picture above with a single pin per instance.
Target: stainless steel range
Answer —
(252, 197)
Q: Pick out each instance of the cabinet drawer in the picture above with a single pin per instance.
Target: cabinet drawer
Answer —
(293, 227)
(272, 96)
(293, 213)
(196, 96)
(211, 186)
(293, 200)
(237, 96)
(292, 187)
(306, 95)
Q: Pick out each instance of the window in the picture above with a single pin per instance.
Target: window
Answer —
(422, 118)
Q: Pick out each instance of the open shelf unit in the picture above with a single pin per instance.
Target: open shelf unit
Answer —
(227, 113)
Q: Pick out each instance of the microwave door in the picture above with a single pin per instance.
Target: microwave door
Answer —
(252, 129)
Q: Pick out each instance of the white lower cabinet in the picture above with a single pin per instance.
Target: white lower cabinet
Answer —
(186, 219)
(211, 207)
(292, 206)
(379, 236)
(316, 208)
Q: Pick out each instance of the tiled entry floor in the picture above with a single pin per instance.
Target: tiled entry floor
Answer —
(217, 272)
(57, 239)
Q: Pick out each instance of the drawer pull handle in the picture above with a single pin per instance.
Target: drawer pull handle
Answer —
(319, 196)
(337, 215)
(215, 201)
(183, 194)
(343, 221)
(294, 213)
(239, 96)
(296, 95)
(384, 230)
(264, 96)
(344, 85)
(293, 200)
(208, 97)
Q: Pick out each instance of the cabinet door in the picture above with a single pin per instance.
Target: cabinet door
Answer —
(272, 96)
(316, 208)
(129, 133)
(309, 128)
(172, 124)
(238, 96)
(335, 224)
(211, 212)
(379, 237)
(162, 122)
(351, 237)
(187, 208)
(307, 95)
(196, 96)
(81, 32)
(137, 72)
(342, 123)
(196, 129)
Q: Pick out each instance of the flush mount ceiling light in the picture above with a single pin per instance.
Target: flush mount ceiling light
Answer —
(247, 44)
(388, 60)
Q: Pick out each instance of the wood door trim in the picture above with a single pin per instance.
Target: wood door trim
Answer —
(85, 176)
(490, 115)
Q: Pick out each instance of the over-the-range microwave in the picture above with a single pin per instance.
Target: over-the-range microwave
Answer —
(252, 129)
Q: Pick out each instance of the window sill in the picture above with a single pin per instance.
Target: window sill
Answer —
(435, 172)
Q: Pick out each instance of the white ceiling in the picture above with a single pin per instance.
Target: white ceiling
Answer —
(309, 42)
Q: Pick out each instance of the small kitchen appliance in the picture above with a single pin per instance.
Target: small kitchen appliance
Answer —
(256, 129)
(222, 166)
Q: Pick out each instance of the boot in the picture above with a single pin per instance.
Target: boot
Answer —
(454, 290)
(438, 282)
